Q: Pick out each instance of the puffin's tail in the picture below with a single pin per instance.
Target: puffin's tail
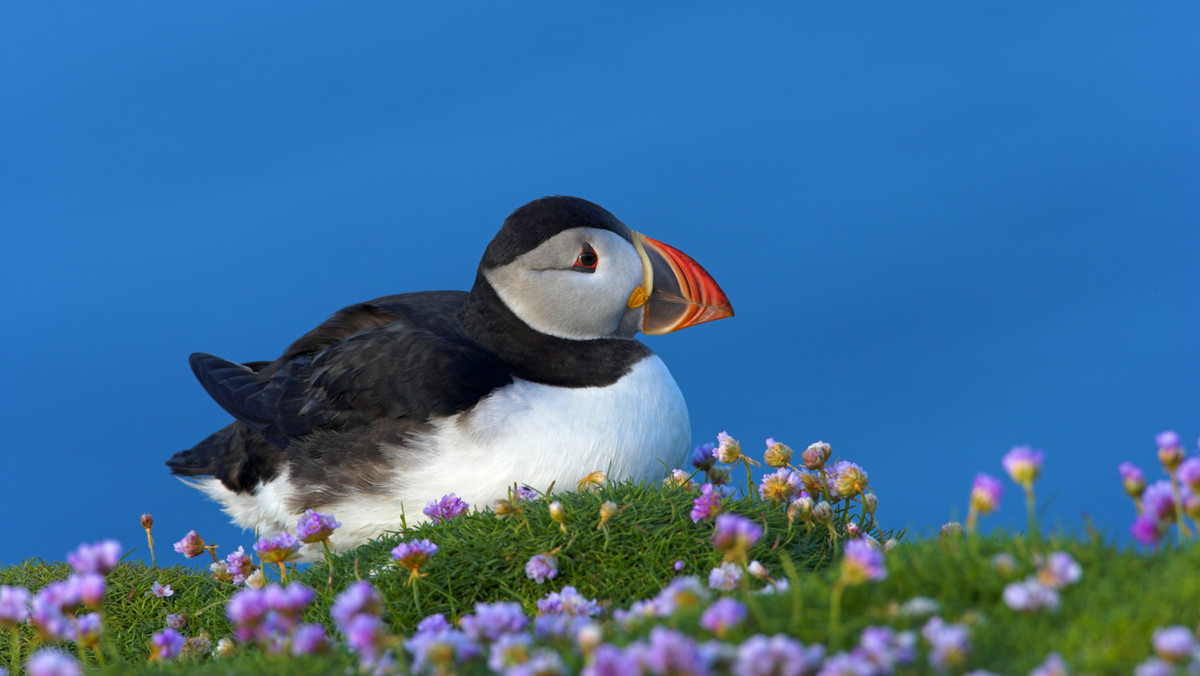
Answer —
(235, 454)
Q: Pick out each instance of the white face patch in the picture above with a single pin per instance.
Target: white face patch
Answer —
(542, 288)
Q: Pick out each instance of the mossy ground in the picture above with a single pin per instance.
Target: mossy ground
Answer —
(1104, 624)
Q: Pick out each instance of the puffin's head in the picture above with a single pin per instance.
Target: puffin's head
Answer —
(569, 268)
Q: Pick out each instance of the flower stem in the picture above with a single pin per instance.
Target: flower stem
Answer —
(972, 518)
(150, 542)
(835, 613)
(1031, 512)
(328, 560)
(824, 484)
(14, 652)
(1184, 531)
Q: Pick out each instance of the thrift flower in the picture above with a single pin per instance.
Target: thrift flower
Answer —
(541, 567)
(14, 605)
(359, 598)
(1030, 596)
(707, 505)
(492, 621)
(801, 508)
(509, 651)
(191, 546)
(608, 509)
(1133, 480)
(1147, 531)
(847, 480)
(413, 555)
(682, 593)
(160, 590)
(725, 577)
(1058, 570)
(1158, 502)
(702, 456)
(98, 557)
(758, 571)
(568, 602)
(279, 549)
(949, 644)
(1189, 473)
(315, 527)
(239, 565)
(1023, 464)
(1170, 451)
(52, 662)
(734, 535)
(816, 455)
(1174, 644)
(177, 621)
(779, 655)
(780, 486)
(165, 645)
(885, 648)
(681, 478)
(669, 652)
(448, 507)
(87, 630)
(594, 479)
(986, 493)
(1154, 667)
(722, 616)
(310, 639)
(1053, 665)
(728, 449)
(90, 587)
(247, 609)
(777, 454)
(609, 660)
(862, 563)
(679, 565)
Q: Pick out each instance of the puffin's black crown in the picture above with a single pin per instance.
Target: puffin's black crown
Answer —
(541, 219)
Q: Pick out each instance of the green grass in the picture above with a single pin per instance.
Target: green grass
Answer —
(1104, 625)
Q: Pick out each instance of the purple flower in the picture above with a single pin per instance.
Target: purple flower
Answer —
(315, 527)
(682, 593)
(448, 507)
(493, 620)
(735, 534)
(541, 567)
(1189, 473)
(1058, 570)
(722, 616)
(1167, 440)
(14, 605)
(986, 493)
(177, 621)
(434, 623)
(509, 651)
(669, 652)
(541, 663)
(568, 602)
(725, 577)
(779, 655)
(46, 614)
(239, 565)
(87, 629)
(848, 664)
(166, 645)
(1154, 667)
(309, 639)
(440, 650)
(1053, 665)
(707, 505)
(1023, 464)
(289, 602)
(1133, 480)
(1158, 502)
(247, 609)
(780, 485)
(278, 549)
(1174, 644)
(702, 456)
(413, 555)
(52, 662)
(728, 449)
(359, 598)
(1030, 596)
(949, 644)
(609, 660)
(367, 637)
(863, 562)
(885, 648)
(98, 557)
(90, 587)
(845, 480)
(1146, 530)
(160, 590)
(191, 545)
(679, 565)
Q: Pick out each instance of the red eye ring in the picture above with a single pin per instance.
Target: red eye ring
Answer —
(587, 260)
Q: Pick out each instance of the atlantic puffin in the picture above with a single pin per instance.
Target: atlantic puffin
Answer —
(533, 377)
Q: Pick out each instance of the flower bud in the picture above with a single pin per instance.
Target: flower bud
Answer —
(719, 476)
(607, 510)
(593, 480)
(870, 502)
(801, 508)
(758, 571)
(256, 580)
(728, 449)
(811, 483)
(557, 512)
(147, 521)
(777, 454)
(225, 649)
(503, 508)
(952, 529)
(852, 531)
(816, 455)
(822, 512)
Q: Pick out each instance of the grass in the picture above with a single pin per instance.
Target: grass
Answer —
(1104, 624)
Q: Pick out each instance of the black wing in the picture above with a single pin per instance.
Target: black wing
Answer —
(400, 357)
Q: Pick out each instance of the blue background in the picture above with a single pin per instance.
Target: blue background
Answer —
(946, 229)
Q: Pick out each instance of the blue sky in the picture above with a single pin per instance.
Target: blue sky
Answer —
(947, 229)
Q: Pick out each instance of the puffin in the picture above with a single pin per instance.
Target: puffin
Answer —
(534, 377)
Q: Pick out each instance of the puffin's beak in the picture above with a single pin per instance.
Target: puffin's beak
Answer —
(676, 291)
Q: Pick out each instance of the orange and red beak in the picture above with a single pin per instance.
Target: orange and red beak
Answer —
(676, 291)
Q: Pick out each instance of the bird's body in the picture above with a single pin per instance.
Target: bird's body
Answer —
(532, 377)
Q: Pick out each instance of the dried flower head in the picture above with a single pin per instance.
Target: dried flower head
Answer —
(816, 455)
(191, 546)
(777, 454)
(728, 449)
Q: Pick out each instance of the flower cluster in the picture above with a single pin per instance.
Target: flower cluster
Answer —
(1041, 591)
(446, 508)
(1167, 502)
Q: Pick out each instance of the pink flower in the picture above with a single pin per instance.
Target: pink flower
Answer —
(161, 590)
(191, 546)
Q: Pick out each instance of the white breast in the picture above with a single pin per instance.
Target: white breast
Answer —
(527, 433)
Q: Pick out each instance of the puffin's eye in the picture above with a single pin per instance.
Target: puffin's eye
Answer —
(586, 260)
